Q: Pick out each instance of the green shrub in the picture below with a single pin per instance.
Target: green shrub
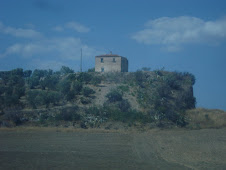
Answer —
(86, 91)
(68, 114)
(85, 100)
(50, 82)
(37, 98)
(124, 105)
(116, 114)
(14, 116)
(11, 100)
(123, 88)
(65, 86)
(114, 96)
(65, 89)
(84, 77)
(77, 87)
(173, 81)
(191, 77)
(96, 110)
(96, 80)
(91, 70)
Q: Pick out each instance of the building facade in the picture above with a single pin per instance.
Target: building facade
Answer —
(111, 63)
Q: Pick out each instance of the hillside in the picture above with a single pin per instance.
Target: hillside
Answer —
(90, 99)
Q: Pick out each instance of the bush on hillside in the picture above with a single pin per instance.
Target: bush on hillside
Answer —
(14, 116)
(86, 91)
(77, 87)
(68, 114)
(124, 105)
(96, 80)
(85, 100)
(84, 77)
(38, 98)
(114, 96)
(91, 70)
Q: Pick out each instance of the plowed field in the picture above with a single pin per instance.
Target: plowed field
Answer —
(155, 149)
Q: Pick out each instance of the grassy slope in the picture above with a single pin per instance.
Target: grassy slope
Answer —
(201, 118)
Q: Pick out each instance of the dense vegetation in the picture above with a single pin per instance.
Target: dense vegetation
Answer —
(48, 97)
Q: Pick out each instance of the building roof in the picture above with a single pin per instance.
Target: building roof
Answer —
(109, 55)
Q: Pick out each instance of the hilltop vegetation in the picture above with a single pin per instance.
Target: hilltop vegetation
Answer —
(89, 99)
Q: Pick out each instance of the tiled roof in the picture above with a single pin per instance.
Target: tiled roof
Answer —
(109, 55)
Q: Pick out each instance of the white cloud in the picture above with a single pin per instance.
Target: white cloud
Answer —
(73, 26)
(173, 32)
(29, 25)
(46, 52)
(77, 27)
(48, 64)
(172, 48)
(60, 48)
(58, 28)
(19, 32)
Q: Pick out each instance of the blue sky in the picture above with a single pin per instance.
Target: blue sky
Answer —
(178, 35)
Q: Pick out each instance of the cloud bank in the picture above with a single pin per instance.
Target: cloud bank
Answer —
(77, 27)
(45, 51)
(64, 48)
(73, 26)
(174, 32)
(19, 32)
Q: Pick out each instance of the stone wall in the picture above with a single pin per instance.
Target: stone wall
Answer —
(124, 64)
(111, 64)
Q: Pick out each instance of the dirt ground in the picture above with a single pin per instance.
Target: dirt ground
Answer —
(155, 149)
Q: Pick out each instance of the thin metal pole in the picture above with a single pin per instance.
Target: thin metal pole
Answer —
(81, 62)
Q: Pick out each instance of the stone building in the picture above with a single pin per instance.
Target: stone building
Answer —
(111, 63)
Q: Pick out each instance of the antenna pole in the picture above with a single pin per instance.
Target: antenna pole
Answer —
(81, 62)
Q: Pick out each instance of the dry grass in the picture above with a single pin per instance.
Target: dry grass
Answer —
(63, 129)
(201, 118)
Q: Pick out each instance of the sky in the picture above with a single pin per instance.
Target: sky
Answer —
(174, 35)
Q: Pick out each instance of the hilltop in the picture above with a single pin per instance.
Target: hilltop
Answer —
(95, 100)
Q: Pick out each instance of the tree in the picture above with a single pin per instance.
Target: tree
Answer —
(39, 73)
(34, 80)
(65, 87)
(31, 98)
(50, 81)
(66, 70)
(17, 72)
(146, 69)
(27, 73)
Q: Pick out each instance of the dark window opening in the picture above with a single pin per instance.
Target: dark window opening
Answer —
(114, 60)
(102, 69)
(101, 60)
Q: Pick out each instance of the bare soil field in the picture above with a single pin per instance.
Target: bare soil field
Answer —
(154, 149)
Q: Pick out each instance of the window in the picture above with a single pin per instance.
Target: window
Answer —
(102, 69)
(114, 60)
(101, 60)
